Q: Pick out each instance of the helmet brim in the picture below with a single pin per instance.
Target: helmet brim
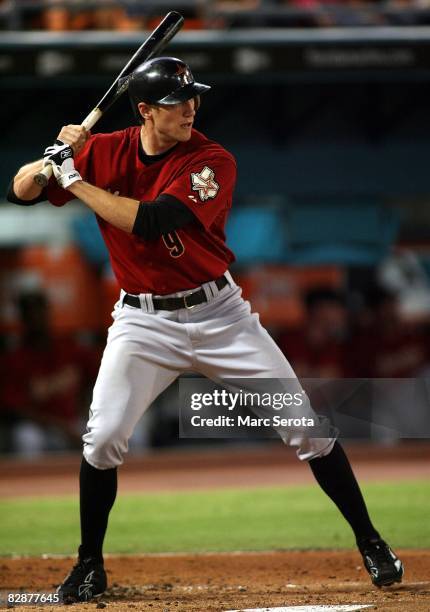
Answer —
(185, 93)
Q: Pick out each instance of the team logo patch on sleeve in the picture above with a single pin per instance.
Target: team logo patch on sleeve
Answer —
(204, 183)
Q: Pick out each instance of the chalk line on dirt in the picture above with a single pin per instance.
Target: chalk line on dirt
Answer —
(341, 608)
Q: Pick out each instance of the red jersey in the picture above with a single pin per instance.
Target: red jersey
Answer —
(200, 173)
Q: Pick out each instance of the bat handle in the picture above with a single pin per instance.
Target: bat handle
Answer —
(42, 177)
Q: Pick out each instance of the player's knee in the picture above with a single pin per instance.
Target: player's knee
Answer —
(105, 449)
(314, 448)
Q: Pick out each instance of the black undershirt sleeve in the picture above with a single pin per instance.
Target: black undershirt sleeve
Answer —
(160, 217)
(12, 197)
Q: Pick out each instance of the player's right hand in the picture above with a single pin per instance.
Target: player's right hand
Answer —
(75, 136)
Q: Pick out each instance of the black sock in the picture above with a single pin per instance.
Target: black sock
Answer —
(336, 478)
(97, 495)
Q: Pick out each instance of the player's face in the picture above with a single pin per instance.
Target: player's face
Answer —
(173, 123)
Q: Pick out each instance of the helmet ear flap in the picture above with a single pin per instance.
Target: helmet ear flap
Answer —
(196, 103)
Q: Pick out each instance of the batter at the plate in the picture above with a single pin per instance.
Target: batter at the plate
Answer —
(179, 309)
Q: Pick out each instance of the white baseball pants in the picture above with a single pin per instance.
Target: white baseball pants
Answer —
(147, 350)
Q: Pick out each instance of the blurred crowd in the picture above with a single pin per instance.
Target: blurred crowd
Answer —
(47, 379)
(368, 339)
(129, 15)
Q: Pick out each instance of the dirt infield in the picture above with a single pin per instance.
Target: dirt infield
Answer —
(219, 582)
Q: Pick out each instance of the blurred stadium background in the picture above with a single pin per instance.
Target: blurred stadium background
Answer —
(324, 104)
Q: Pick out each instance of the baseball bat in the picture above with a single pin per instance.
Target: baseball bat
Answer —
(154, 44)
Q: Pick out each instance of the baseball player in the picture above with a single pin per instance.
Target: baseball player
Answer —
(162, 192)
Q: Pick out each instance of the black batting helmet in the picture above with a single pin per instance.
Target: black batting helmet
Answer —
(163, 80)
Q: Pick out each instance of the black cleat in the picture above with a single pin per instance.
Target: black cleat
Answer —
(86, 581)
(383, 565)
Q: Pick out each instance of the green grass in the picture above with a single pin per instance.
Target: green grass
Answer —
(250, 519)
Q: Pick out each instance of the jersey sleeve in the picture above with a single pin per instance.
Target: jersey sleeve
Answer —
(58, 196)
(205, 186)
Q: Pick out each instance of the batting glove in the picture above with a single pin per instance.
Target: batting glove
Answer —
(60, 157)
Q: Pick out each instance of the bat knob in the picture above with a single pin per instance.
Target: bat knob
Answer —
(40, 179)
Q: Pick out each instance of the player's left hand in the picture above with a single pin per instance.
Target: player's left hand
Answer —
(60, 157)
